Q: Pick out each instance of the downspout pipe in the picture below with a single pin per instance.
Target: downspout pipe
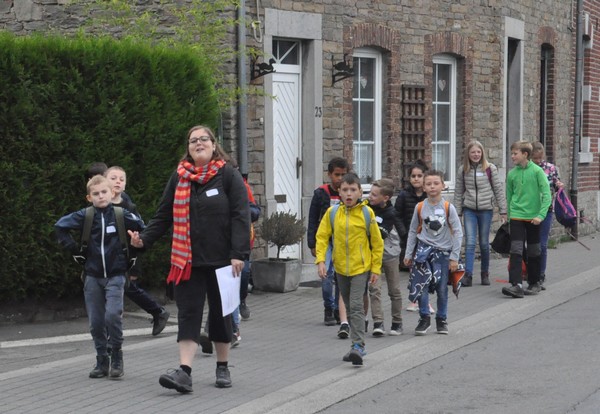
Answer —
(578, 108)
(242, 106)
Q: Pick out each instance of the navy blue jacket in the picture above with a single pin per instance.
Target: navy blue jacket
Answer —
(319, 204)
(105, 256)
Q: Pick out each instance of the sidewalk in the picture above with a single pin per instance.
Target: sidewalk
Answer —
(287, 361)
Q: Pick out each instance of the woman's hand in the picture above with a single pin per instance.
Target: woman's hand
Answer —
(503, 218)
(136, 241)
(236, 267)
(407, 262)
(373, 278)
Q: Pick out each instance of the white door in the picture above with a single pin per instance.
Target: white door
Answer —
(286, 151)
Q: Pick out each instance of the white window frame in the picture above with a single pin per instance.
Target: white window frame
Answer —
(451, 61)
(377, 109)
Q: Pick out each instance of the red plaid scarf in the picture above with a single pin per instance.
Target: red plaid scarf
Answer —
(181, 247)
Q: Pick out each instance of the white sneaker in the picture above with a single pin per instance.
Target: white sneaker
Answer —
(413, 307)
(431, 310)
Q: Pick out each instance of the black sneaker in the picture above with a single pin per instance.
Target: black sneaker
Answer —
(223, 377)
(101, 368)
(533, 289)
(244, 311)
(116, 363)
(514, 291)
(160, 321)
(344, 331)
(442, 326)
(423, 326)
(378, 329)
(328, 317)
(396, 329)
(205, 343)
(176, 379)
(467, 280)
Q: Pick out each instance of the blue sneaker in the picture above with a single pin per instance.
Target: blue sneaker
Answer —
(356, 354)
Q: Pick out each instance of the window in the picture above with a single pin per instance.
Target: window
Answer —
(366, 107)
(444, 116)
(286, 52)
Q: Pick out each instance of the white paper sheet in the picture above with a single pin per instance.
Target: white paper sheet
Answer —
(229, 287)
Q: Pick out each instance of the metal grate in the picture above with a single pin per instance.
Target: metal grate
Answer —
(413, 126)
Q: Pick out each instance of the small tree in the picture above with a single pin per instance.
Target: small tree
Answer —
(282, 229)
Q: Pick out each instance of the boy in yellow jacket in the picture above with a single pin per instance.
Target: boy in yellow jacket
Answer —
(357, 254)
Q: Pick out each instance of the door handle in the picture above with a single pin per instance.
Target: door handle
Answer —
(298, 165)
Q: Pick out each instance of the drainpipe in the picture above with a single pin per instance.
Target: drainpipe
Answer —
(578, 107)
(242, 101)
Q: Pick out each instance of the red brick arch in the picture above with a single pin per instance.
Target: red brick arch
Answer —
(387, 41)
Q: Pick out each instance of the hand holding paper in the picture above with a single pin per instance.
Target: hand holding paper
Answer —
(229, 289)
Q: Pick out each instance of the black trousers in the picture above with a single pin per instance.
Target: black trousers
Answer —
(520, 232)
(190, 296)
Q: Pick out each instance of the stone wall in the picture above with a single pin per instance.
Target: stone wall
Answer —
(409, 33)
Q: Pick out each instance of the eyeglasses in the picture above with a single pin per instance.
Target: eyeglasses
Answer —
(203, 138)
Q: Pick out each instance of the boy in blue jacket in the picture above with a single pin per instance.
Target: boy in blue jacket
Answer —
(105, 267)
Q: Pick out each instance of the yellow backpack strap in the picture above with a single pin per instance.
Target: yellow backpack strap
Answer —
(447, 208)
(419, 208)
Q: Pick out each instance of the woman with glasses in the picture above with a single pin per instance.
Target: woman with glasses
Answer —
(206, 204)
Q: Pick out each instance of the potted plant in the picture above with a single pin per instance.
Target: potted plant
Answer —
(279, 274)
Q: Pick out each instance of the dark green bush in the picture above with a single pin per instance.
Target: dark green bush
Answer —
(65, 103)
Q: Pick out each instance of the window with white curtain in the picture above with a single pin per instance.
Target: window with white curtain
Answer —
(444, 117)
(366, 114)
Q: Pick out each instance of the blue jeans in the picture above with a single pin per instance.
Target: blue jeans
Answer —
(477, 220)
(441, 289)
(328, 285)
(245, 279)
(545, 228)
(104, 306)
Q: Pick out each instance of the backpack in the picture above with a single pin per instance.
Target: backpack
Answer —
(564, 211)
(366, 214)
(420, 207)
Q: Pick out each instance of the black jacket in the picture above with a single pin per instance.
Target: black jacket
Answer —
(105, 256)
(389, 219)
(219, 219)
(319, 204)
(405, 205)
(128, 204)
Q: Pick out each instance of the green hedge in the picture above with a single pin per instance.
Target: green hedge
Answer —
(65, 103)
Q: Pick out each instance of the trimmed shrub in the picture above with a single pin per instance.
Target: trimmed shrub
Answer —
(65, 103)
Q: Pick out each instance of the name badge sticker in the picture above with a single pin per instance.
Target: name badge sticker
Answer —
(480, 174)
(110, 229)
(212, 192)
(378, 219)
(439, 212)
